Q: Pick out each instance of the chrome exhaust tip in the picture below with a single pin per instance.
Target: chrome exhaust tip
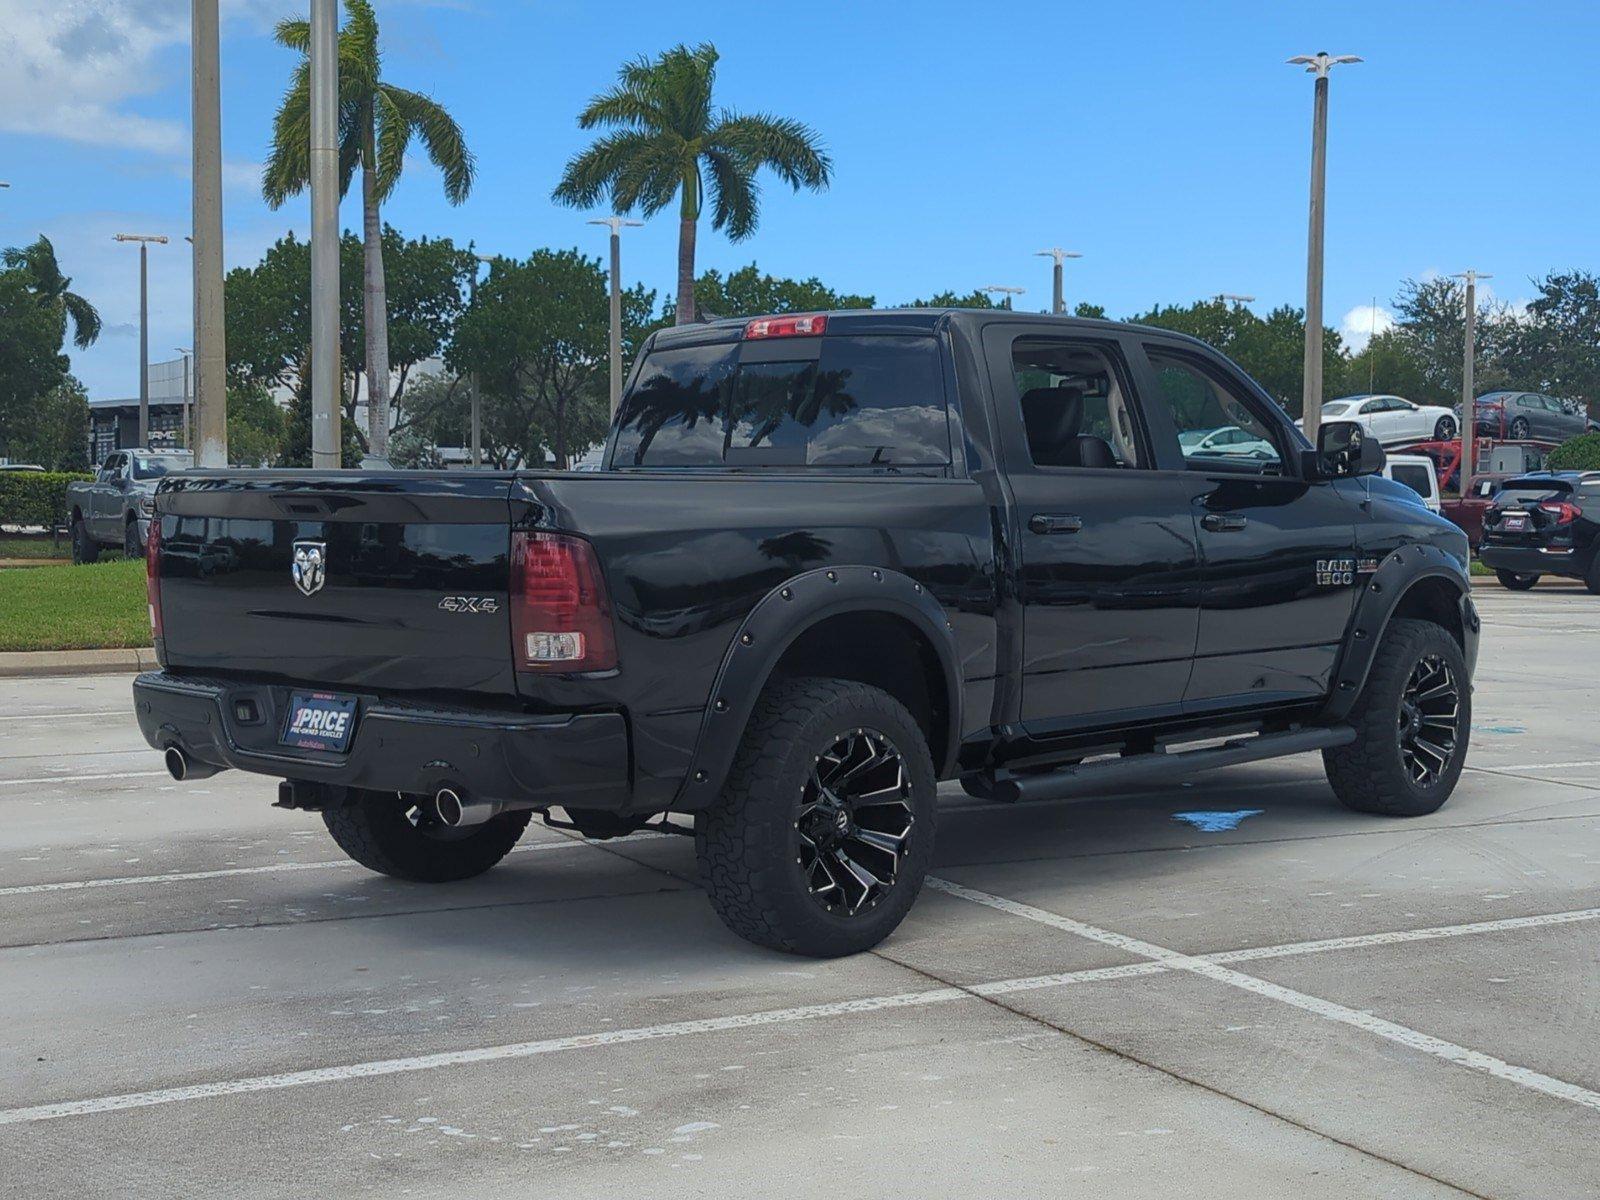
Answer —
(455, 810)
(181, 767)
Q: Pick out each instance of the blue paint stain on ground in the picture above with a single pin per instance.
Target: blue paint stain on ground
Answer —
(1499, 729)
(1217, 822)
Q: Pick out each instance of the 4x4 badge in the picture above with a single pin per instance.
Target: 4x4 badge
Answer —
(310, 566)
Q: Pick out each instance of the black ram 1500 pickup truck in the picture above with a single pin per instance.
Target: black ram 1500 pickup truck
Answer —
(829, 561)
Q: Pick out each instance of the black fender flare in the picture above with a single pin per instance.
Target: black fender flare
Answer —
(772, 626)
(1374, 608)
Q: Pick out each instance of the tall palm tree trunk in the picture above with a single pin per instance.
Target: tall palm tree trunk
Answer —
(688, 215)
(375, 309)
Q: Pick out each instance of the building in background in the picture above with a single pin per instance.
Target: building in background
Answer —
(114, 424)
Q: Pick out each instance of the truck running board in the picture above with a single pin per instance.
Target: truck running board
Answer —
(1154, 767)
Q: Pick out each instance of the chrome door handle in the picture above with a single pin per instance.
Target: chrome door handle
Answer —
(1223, 522)
(1054, 523)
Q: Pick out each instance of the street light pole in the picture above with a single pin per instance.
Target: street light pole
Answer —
(1318, 64)
(187, 444)
(1058, 302)
(211, 354)
(616, 225)
(1006, 292)
(477, 402)
(325, 415)
(1469, 413)
(144, 240)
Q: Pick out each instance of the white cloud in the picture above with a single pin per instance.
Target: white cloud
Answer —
(1358, 325)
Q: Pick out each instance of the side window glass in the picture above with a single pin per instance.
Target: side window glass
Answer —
(675, 413)
(1202, 406)
(1077, 409)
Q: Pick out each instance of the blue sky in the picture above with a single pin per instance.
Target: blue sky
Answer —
(1167, 142)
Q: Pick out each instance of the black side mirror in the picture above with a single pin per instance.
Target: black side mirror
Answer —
(1344, 450)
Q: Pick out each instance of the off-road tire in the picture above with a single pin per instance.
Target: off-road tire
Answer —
(1369, 775)
(1591, 578)
(1516, 582)
(749, 847)
(374, 830)
(131, 546)
(84, 549)
(1444, 429)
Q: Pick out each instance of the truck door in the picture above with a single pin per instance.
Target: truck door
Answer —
(1278, 554)
(103, 497)
(1106, 545)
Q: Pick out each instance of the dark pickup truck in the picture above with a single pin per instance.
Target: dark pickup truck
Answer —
(829, 561)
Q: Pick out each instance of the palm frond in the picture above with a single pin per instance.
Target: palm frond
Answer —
(85, 319)
(626, 104)
(440, 136)
(651, 176)
(735, 195)
(786, 146)
(288, 166)
(294, 33)
(596, 171)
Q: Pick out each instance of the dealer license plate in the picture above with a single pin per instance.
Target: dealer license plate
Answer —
(320, 721)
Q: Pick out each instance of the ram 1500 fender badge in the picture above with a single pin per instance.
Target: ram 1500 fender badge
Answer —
(1336, 572)
(470, 604)
(310, 566)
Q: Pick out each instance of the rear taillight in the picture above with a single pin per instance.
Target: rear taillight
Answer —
(152, 573)
(560, 614)
(1562, 511)
(776, 327)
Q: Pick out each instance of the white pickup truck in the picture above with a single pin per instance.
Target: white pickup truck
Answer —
(113, 508)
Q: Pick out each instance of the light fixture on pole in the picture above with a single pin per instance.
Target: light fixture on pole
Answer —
(326, 439)
(1469, 404)
(1233, 298)
(1006, 292)
(1319, 65)
(616, 225)
(1058, 303)
(144, 240)
(472, 382)
(187, 444)
(210, 349)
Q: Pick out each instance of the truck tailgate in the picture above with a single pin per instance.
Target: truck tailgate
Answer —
(400, 584)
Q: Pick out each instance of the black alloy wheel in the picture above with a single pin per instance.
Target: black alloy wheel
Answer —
(854, 822)
(1444, 429)
(1429, 720)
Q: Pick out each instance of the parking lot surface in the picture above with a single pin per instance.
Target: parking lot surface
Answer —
(1231, 988)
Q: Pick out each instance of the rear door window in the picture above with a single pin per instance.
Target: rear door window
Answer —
(1531, 491)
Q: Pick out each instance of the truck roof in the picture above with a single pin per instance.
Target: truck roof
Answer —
(904, 321)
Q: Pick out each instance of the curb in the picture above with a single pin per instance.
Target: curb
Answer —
(77, 662)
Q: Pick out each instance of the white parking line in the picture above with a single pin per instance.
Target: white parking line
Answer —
(1540, 766)
(65, 716)
(610, 1037)
(80, 778)
(1207, 968)
(76, 885)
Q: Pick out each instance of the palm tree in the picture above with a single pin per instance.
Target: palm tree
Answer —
(55, 289)
(669, 137)
(376, 123)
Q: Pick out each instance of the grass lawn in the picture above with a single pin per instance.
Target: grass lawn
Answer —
(74, 608)
(18, 545)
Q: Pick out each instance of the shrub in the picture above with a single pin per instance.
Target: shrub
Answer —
(1581, 453)
(35, 497)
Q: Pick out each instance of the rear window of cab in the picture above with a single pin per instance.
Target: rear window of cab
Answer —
(835, 401)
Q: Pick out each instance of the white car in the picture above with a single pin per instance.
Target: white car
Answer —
(1417, 472)
(1393, 419)
(1229, 440)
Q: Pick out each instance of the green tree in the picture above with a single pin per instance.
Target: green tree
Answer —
(536, 333)
(1387, 363)
(257, 427)
(269, 315)
(973, 299)
(748, 292)
(56, 433)
(53, 289)
(37, 304)
(1555, 349)
(1581, 453)
(377, 122)
(669, 137)
(1431, 321)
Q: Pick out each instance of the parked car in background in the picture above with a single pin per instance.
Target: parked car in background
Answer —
(1467, 510)
(1544, 524)
(1229, 440)
(20, 467)
(1393, 419)
(113, 508)
(1527, 416)
(1417, 472)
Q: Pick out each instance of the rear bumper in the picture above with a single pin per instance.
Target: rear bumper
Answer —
(566, 759)
(1529, 560)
